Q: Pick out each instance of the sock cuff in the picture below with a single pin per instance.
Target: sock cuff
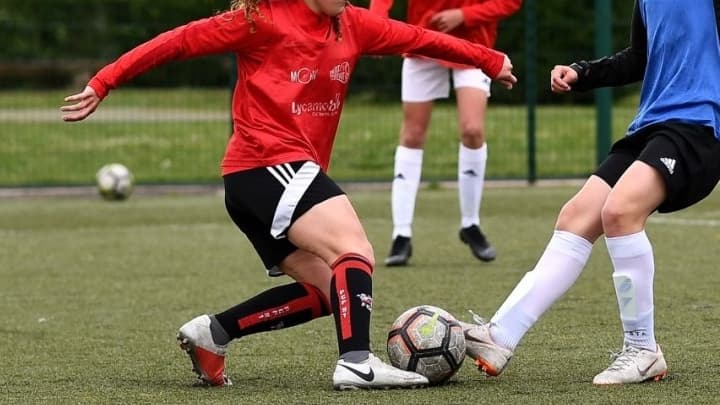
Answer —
(354, 260)
(569, 243)
(323, 307)
(408, 155)
(633, 245)
(473, 155)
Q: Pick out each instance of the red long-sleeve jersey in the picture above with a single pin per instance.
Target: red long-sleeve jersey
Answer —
(293, 72)
(481, 16)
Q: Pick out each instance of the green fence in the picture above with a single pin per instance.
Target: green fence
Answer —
(177, 133)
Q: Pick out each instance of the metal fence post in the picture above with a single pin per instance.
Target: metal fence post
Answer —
(531, 85)
(603, 97)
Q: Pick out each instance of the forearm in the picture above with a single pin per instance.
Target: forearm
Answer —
(389, 37)
(218, 34)
(626, 66)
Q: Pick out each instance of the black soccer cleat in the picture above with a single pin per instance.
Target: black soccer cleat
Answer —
(479, 245)
(400, 252)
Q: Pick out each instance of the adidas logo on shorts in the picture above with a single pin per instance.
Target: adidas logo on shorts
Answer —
(669, 163)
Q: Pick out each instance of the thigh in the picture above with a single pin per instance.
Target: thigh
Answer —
(471, 105)
(424, 80)
(638, 192)
(265, 202)
(330, 229)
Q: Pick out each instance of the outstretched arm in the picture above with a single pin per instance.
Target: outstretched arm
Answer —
(381, 36)
(626, 66)
(228, 32)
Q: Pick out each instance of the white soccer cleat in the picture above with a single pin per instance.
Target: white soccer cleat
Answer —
(374, 374)
(489, 357)
(634, 365)
(208, 358)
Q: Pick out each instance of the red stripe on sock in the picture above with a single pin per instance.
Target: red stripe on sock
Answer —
(310, 302)
(320, 304)
(343, 301)
(340, 267)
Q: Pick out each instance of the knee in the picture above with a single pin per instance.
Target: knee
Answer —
(357, 247)
(570, 212)
(579, 219)
(615, 217)
(473, 136)
(413, 136)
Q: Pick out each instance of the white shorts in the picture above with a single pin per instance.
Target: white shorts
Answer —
(426, 80)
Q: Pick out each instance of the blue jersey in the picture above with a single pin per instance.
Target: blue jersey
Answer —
(682, 76)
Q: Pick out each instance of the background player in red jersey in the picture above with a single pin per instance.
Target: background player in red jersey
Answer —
(295, 58)
(425, 80)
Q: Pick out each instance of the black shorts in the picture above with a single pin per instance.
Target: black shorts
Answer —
(264, 203)
(687, 156)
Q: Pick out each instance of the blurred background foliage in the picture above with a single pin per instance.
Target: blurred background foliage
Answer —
(59, 43)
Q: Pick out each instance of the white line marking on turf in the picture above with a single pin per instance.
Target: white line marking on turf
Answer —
(685, 221)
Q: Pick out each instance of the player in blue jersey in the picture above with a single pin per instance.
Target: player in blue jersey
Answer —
(669, 160)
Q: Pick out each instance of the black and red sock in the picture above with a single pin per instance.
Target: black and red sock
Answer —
(279, 307)
(351, 302)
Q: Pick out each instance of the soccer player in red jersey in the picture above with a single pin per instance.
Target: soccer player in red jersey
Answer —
(294, 58)
(425, 80)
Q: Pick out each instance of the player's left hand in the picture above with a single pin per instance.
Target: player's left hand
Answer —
(506, 77)
(561, 78)
(85, 104)
(447, 20)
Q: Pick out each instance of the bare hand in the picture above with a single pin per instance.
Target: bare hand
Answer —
(505, 77)
(447, 20)
(85, 103)
(561, 77)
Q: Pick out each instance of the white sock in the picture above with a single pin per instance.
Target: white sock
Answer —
(471, 180)
(632, 258)
(408, 168)
(556, 271)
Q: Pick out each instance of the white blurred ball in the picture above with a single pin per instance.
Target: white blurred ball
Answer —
(114, 182)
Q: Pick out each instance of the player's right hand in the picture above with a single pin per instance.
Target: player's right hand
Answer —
(506, 76)
(561, 77)
(85, 103)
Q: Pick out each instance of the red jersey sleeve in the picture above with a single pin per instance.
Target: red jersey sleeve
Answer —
(382, 36)
(489, 11)
(227, 32)
(381, 7)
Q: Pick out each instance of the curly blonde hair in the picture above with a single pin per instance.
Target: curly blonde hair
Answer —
(251, 10)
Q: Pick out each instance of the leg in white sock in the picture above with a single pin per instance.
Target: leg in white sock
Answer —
(408, 168)
(556, 271)
(471, 180)
(632, 258)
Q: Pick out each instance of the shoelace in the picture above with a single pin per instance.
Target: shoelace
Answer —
(477, 319)
(622, 359)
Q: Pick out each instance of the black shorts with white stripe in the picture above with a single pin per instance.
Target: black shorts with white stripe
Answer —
(264, 203)
(687, 156)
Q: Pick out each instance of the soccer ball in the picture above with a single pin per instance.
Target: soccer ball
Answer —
(114, 182)
(427, 340)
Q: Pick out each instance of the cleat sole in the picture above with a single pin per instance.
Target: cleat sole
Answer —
(486, 368)
(187, 346)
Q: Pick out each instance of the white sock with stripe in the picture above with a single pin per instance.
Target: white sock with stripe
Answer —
(406, 181)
